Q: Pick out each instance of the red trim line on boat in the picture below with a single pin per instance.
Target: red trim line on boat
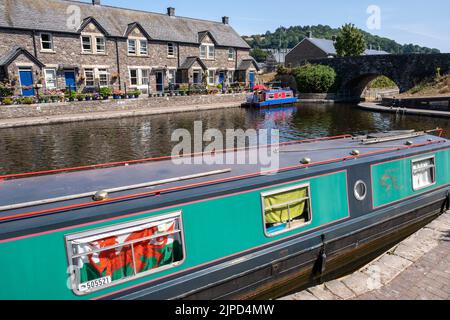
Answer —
(125, 163)
(211, 182)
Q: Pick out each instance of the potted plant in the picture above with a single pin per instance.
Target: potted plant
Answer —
(80, 97)
(7, 101)
(137, 93)
(88, 97)
(105, 93)
(71, 95)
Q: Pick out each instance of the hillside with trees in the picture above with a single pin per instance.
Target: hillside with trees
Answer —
(290, 37)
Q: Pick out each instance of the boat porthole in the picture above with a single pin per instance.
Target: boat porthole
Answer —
(360, 190)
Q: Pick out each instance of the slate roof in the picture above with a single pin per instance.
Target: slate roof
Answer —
(51, 15)
(328, 47)
(14, 53)
(189, 62)
(247, 63)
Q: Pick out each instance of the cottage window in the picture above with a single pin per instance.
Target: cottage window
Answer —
(103, 77)
(101, 44)
(120, 253)
(145, 79)
(211, 77)
(231, 54)
(143, 47)
(170, 50)
(172, 76)
(423, 173)
(230, 76)
(134, 77)
(89, 79)
(203, 51)
(50, 78)
(87, 44)
(132, 46)
(211, 52)
(46, 42)
(286, 209)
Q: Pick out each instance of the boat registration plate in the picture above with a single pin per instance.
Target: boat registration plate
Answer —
(87, 286)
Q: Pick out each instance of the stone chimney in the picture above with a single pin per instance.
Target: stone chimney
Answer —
(310, 34)
(96, 2)
(171, 12)
(225, 20)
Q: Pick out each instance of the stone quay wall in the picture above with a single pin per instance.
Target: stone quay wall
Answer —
(86, 107)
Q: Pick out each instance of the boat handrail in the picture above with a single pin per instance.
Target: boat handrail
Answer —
(112, 190)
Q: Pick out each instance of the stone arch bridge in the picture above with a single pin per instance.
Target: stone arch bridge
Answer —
(407, 70)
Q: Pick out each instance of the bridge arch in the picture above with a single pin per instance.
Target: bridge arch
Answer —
(357, 86)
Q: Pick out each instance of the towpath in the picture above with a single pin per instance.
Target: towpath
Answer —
(416, 269)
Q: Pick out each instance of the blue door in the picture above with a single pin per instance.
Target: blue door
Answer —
(221, 77)
(26, 82)
(251, 79)
(70, 80)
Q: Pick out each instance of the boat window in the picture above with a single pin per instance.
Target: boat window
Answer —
(286, 209)
(113, 255)
(360, 190)
(423, 173)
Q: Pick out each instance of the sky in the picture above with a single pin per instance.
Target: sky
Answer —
(426, 23)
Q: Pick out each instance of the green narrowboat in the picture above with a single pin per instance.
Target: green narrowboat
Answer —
(151, 229)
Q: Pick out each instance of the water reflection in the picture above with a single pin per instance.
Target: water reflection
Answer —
(84, 143)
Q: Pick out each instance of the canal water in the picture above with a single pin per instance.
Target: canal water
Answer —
(83, 143)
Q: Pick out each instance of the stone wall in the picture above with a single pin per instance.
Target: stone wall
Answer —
(85, 107)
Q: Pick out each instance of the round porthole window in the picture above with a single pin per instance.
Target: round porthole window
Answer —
(360, 190)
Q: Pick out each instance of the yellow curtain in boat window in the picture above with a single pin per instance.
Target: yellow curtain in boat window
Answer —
(279, 208)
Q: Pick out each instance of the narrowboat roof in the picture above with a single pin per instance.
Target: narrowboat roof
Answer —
(158, 177)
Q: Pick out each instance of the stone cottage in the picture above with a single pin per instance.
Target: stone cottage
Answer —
(58, 44)
(314, 48)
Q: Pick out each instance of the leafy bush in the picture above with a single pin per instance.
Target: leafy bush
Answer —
(6, 90)
(105, 92)
(7, 101)
(382, 82)
(315, 78)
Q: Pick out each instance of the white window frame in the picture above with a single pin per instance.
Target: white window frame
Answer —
(129, 47)
(210, 51)
(52, 48)
(284, 190)
(143, 53)
(86, 71)
(209, 77)
(414, 171)
(75, 276)
(171, 50)
(231, 54)
(97, 42)
(230, 76)
(91, 50)
(170, 73)
(141, 80)
(103, 72)
(47, 81)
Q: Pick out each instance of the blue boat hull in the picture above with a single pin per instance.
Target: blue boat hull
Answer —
(275, 102)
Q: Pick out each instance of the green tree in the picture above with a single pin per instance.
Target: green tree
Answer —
(259, 55)
(315, 78)
(350, 41)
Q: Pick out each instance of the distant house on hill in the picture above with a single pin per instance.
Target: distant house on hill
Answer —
(313, 48)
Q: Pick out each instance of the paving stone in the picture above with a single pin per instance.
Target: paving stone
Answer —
(322, 293)
(359, 283)
(396, 262)
(304, 296)
(408, 252)
(339, 289)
